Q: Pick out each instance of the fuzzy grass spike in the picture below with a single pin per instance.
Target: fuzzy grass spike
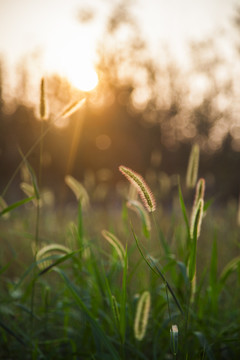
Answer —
(142, 315)
(174, 339)
(141, 186)
(78, 190)
(193, 164)
(42, 105)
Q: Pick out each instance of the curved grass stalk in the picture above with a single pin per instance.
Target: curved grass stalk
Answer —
(52, 249)
(113, 240)
(142, 213)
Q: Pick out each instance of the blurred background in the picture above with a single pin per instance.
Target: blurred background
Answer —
(157, 78)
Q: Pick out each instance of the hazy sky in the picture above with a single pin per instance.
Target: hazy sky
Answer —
(51, 27)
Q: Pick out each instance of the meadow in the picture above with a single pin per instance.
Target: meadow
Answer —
(133, 279)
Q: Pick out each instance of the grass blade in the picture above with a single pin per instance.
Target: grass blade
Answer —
(203, 342)
(16, 204)
(80, 225)
(123, 300)
(168, 286)
(140, 250)
(57, 262)
(158, 272)
(194, 233)
(229, 268)
(102, 337)
(12, 333)
(213, 276)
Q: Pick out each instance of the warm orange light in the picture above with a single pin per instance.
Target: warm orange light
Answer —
(83, 78)
(74, 61)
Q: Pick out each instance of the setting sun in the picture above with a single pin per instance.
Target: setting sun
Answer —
(82, 77)
(75, 62)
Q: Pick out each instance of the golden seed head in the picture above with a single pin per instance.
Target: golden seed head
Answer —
(192, 170)
(196, 220)
(141, 186)
(79, 191)
(142, 315)
(42, 107)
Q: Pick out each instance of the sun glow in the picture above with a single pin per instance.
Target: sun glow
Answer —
(82, 77)
(75, 63)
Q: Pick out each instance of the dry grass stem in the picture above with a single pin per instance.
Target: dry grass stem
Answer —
(72, 108)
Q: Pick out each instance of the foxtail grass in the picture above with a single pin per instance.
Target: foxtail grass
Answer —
(42, 105)
(142, 315)
(93, 314)
(141, 186)
(174, 339)
(196, 221)
(192, 169)
(78, 190)
(113, 240)
(47, 251)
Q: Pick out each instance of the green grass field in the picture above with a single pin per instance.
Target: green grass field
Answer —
(133, 279)
(107, 283)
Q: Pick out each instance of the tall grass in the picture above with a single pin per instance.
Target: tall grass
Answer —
(142, 284)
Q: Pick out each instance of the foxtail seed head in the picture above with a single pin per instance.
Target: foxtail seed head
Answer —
(196, 220)
(199, 194)
(48, 251)
(192, 170)
(142, 315)
(174, 339)
(78, 189)
(200, 191)
(141, 186)
(42, 107)
(29, 190)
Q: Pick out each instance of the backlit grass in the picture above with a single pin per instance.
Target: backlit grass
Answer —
(92, 282)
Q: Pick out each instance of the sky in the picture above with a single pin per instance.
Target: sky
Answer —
(49, 30)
